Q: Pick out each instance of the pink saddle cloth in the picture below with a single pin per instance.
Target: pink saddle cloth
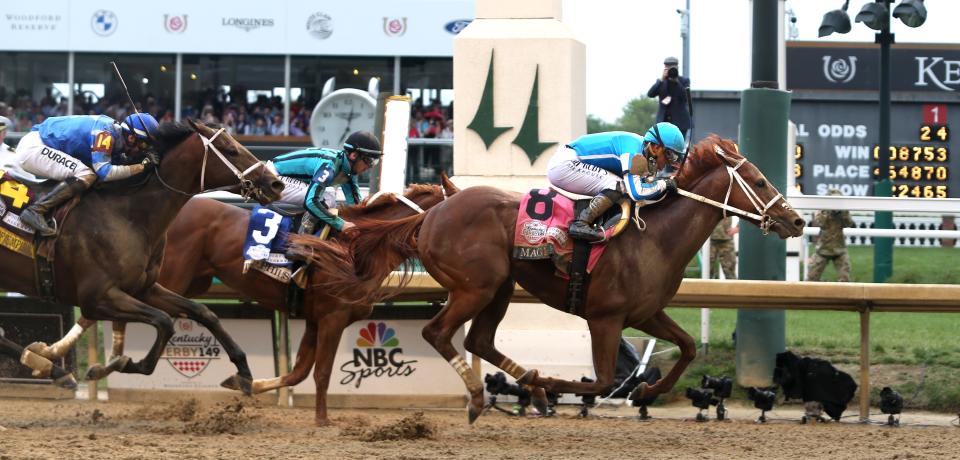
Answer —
(541, 231)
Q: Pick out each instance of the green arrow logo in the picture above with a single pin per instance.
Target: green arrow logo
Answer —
(528, 138)
(482, 122)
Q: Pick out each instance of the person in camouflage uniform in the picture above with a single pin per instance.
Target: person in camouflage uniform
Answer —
(721, 248)
(831, 244)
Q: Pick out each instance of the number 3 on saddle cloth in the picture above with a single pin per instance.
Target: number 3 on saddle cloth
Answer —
(541, 233)
(266, 244)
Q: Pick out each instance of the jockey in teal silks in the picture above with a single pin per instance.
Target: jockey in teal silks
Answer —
(607, 165)
(79, 150)
(308, 172)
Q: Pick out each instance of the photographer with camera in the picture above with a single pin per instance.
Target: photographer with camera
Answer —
(673, 93)
(831, 245)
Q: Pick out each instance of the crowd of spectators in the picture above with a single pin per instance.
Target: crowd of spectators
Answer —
(432, 121)
(263, 117)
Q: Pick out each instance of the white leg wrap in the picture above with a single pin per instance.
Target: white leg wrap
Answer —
(41, 366)
(511, 368)
(262, 385)
(460, 365)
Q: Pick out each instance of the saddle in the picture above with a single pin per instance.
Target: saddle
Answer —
(16, 193)
(541, 233)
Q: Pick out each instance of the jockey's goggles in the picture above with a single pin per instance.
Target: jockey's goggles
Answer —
(369, 156)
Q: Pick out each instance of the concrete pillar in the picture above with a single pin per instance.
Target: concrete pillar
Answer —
(520, 82)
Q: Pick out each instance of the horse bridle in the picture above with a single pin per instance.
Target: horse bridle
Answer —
(761, 216)
(247, 188)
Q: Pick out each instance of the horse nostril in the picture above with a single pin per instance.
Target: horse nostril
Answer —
(799, 222)
(277, 186)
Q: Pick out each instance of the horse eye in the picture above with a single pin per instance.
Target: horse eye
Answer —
(761, 183)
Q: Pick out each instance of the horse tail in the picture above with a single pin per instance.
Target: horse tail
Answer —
(353, 268)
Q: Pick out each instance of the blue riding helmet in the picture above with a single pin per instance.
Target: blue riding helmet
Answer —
(141, 125)
(669, 136)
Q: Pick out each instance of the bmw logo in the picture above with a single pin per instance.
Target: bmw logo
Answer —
(103, 23)
(454, 27)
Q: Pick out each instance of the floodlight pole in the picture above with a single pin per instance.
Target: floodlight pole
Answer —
(883, 247)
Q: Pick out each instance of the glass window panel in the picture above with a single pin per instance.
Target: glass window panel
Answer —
(429, 83)
(33, 86)
(149, 78)
(237, 91)
(308, 75)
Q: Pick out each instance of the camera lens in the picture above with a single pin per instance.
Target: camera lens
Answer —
(673, 72)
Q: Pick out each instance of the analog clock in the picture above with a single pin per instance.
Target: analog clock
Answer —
(340, 113)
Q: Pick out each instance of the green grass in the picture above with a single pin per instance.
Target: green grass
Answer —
(910, 265)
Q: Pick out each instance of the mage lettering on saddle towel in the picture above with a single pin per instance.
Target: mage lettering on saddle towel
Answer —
(14, 198)
(541, 231)
(266, 243)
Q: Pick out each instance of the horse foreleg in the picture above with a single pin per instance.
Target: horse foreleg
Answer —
(662, 327)
(118, 306)
(605, 341)
(42, 367)
(64, 345)
(329, 330)
(460, 307)
(176, 305)
(301, 368)
(481, 338)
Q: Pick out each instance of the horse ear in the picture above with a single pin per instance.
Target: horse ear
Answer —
(198, 127)
(447, 184)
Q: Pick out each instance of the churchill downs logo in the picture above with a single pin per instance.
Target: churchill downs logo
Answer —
(839, 70)
(378, 354)
(191, 349)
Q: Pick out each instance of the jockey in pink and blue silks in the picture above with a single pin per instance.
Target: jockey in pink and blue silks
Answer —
(79, 150)
(607, 165)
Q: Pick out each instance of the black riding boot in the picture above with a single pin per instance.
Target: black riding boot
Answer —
(308, 225)
(582, 228)
(35, 214)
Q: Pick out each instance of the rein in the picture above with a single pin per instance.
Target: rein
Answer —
(247, 189)
(410, 204)
(761, 216)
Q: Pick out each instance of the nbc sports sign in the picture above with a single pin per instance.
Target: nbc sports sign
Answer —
(385, 357)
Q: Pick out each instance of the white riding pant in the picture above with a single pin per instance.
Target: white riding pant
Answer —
(295, 192)
(567, 172)
(42, 161)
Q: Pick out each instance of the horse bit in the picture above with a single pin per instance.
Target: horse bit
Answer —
(247, 189)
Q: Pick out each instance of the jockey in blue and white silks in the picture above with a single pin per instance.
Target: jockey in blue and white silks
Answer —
(79, 150)
(307, 173)
(606, 165)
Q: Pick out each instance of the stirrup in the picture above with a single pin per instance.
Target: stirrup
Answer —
(585, 232)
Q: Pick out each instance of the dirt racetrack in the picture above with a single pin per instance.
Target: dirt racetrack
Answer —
(243, 429)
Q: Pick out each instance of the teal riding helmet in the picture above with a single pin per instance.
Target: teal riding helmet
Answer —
(669, 136)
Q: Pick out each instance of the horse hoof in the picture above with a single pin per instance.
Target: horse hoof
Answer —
(539, 401)
(642, 391)
(472, 415)
(96, 372)
(239, 383)
(67, 382)
(528, 377)
(41, 348)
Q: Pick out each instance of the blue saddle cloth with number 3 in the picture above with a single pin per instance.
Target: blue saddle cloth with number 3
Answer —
(267, 237)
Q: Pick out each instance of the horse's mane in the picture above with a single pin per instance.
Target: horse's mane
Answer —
(170, 134)
(703, 157)
(383, 201)
(354, 267)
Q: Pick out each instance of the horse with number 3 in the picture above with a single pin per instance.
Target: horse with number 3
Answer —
(466, 244)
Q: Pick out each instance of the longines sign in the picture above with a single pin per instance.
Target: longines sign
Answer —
(811, 65)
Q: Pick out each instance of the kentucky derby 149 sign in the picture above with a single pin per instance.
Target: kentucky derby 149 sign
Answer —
(193, 359)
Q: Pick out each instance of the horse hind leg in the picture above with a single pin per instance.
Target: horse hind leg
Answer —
(301, 367)
(329, 331)
(42, 367)
(480, 341)
(460, 307)
(117, 359)
(662, 327)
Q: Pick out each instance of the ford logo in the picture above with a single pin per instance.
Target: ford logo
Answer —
(454, 27)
